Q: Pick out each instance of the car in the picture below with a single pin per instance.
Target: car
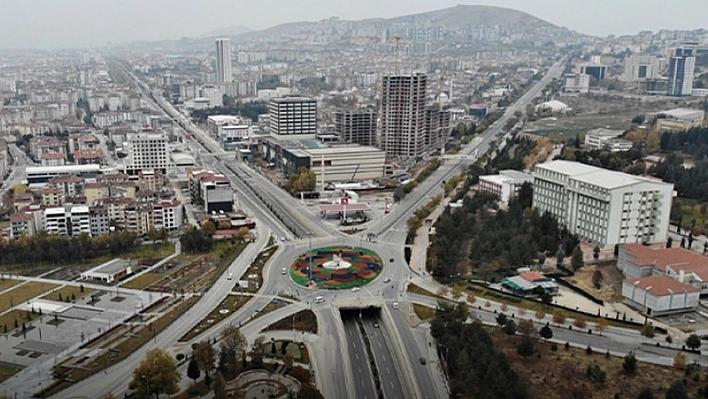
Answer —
(282, 239)
(376, 325)
(283, 271)
(387, 280)
(395, 305)
(422, 360)
(319, 299)
(355, 289)
(229, 276)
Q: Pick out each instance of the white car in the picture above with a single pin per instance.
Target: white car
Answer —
(387, 280)
(395, 305)
(283, 271)
(229, 276)
(355, 289)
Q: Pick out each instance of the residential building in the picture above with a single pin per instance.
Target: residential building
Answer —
(53, 159)
(438, 127)
(659, 295)
(402, 116)
(356, 126)
(603, 207)
(505, 185)
(681, 67)
(223, 60)
(55, 221)
(292, 115)
(22, 224)
(147, 151)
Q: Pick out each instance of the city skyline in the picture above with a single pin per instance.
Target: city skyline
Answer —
(33, 24)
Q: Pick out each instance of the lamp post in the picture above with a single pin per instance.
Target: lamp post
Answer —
(309, 255)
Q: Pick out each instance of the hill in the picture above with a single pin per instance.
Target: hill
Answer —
(228, 31)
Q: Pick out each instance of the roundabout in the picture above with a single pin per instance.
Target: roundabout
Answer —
(336, 268)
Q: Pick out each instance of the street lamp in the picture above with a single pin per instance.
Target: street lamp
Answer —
(309, 254)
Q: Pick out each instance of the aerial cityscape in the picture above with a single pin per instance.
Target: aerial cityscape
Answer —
(416, 200)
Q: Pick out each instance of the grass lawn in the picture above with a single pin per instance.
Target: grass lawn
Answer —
(226, 308)
(423, 312)
(141, 252)
(7, 371)
(23, 293)
(8, 320)
(304, 320)
(67, 292)
(300, 355)
(414, 289)
(120, 352)
(256, 268)
(142, 281)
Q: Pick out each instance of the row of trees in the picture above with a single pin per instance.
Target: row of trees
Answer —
(691, 183)
(198, 239)
(304, 180)
(61, 250)
(475, 367)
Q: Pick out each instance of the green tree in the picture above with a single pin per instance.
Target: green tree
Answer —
(596, 252)
(646, 393)
(156, 374)
(233, 346)
(693, 342)
(647, 331)
(546, 332)
(509, 327)
(502, 319)
(526, 347)
(630, 363)
(193, 371)
(559, 257)
(576, 261)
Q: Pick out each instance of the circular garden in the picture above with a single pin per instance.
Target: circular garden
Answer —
(336, 268)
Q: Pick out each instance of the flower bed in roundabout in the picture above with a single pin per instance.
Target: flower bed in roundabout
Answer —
(336, 267)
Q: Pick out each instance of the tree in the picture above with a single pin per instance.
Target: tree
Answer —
(597, 279)
(677, 391)
(559, 257)
(680, 361)
(540, 314)
(559, 317)
(693, 342)
(456, 292)
(647, 331)
(156, 374)
(205, 357)
(576, 260)
(596, 252)
(526, 327)
(509, 327)
(546, 332)
(193, 371)
(580, 321)
(630, 363)
(471, 298)
(526, 347)
(601, 324)
(669, 242)
(502, 319)
(219, 386)
(443, 291)
(546, 299)
(233, 346)
(646, 393)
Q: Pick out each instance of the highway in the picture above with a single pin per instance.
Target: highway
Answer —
(363, 374)
(389, 374)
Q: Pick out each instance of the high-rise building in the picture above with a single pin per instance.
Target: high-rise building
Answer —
(356, 126)
(681, 73)
(292, 115)
(223, 60)
(402, 115)
(147, 151)
(438, 126)
(603, 207)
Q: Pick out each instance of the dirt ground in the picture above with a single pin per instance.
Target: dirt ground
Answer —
(611, 290)
(562, 375)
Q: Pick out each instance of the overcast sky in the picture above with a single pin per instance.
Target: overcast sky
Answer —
(79, 23)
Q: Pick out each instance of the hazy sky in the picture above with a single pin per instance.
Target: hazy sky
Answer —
(78, 23)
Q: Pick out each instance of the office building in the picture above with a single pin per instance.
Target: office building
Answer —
(402, 116)
(576, 83)
(681, 69)
(596, 139)
(599, 72)
(505, 185)
(639, 67)
(292, 115)
(147, 151)
(603, 207)
(357, 127)
(223, 61)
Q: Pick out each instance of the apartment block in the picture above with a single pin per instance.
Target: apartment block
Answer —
(402, 116)
(292, 115)
(603, 207)
(356, 126)
(147, 152)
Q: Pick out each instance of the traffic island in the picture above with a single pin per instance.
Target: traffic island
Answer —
(336, 268)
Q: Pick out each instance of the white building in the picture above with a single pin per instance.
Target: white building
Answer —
(292, 115)
(55, 221)
(576, 83)
(597, 138)
(601, 206)
(223, 60)
(505, 185)
(147, 151)
(681, 69)
(639, 67)
(659, 295)
(68, 221)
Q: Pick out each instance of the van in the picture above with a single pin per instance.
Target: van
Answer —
(319, 299)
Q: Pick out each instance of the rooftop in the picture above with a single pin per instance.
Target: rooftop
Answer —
(661, 285)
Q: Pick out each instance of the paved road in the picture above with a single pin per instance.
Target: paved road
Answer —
(363, 374)
(389, 373)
